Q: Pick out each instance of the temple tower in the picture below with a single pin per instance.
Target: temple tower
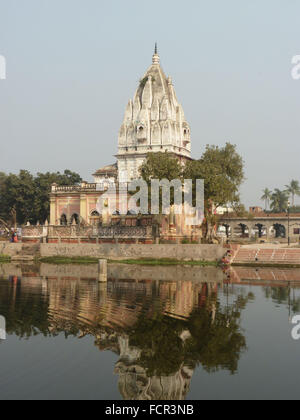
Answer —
(154, 122)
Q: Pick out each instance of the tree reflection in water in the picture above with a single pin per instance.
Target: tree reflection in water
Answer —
(285, 295)
(210, 337)
(162, 331)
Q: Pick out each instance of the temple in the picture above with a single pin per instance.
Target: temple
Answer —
(154, 122)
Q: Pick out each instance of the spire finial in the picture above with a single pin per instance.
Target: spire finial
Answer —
(156, 59)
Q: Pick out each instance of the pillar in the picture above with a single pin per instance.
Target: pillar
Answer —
(83, 207)
(52, 211)
(251, 228)
(102, 271)
(268, 227)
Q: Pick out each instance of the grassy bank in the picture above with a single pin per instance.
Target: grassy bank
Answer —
(4, 258)
(68, 260)
(142, 261)
(166, 261)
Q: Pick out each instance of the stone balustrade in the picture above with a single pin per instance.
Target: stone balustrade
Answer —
(75, 188)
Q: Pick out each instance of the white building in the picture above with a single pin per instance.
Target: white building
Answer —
(154, 122)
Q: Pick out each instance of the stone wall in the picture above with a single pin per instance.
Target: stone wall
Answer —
(7, 248)
(132, 251)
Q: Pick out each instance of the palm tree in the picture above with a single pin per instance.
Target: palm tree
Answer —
(293, 189)
(279, 203)
(266, 197)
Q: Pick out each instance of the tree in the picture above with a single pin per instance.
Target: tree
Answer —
(67, 178)
(29, 195)
(293, 189)
(222, 170)
(2, 194)
(279, 201)
(43, 184)
(161, 166)
(19, 195)
(266, 197)
(295, 209)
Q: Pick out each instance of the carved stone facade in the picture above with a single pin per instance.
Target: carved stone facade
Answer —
(154, 121)
(122, 230)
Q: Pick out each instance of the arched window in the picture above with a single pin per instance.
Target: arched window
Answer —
(95, 218)
(131, 213)
(95, 214)
(63, 220)
(75, 218)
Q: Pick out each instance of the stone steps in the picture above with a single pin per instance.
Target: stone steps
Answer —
(275, 256)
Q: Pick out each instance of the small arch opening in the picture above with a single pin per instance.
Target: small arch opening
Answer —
(63, 220)
(75, 219)
(280, 231)
(95, 214)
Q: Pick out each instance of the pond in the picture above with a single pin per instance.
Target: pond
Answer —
(157, 333)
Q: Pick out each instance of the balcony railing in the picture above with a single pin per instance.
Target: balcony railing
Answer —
(74, 188)
(89, 187)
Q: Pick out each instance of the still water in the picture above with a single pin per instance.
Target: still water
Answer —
(168, 333)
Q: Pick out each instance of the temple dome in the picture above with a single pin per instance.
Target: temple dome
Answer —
(109, 172)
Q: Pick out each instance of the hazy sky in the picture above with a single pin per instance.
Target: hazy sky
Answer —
(72, 65)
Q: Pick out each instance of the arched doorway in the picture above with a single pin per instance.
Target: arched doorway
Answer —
(224, 231)
(280, 231)
(94, 218)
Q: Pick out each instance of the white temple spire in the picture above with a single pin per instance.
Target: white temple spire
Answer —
(154, 122)
(156, 58)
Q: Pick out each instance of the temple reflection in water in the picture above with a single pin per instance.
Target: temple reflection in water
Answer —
(162, 322)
